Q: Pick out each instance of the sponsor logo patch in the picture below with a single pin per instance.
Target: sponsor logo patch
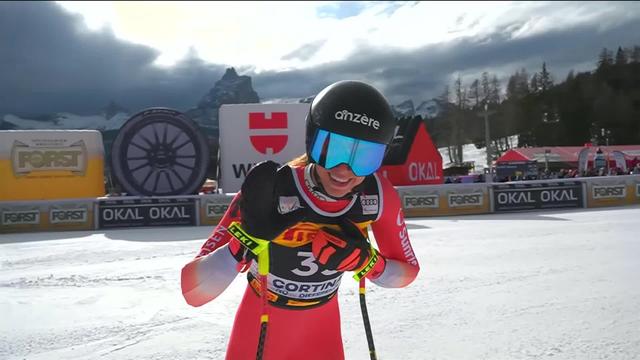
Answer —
(369, 204)
(287, 204)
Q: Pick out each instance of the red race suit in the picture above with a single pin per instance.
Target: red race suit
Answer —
(304, 317)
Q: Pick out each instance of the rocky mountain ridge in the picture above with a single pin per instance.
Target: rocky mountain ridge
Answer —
(230, 89)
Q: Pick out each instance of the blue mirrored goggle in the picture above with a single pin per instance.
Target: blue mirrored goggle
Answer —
(330, 150)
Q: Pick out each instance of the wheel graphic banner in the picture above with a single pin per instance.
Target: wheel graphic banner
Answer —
(161, 152)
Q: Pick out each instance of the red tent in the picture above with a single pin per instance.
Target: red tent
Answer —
(567, 156)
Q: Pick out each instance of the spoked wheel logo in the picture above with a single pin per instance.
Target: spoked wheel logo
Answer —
(160, 152)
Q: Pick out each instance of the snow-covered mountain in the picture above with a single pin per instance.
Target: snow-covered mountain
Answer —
(65, 121)
(404, 109)
(427, 109)
(230, 89)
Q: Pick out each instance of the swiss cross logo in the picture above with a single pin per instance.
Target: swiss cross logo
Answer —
(261, 132)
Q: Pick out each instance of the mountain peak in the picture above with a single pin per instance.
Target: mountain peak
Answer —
(230, 89)
(112, 109)
(230, 74)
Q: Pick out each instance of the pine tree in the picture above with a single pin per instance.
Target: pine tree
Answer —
(570, 76)
(535, 84)
(460, 94)
(605, 59)
(494, 90)
(486, 88)
(546, 80)
(474, 93)
(621, 56)
(634, 56)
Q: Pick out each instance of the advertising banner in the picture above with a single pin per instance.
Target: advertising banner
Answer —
(51, 164)
(76, 214)
(537, 195)
(251, 133)
(135, 212)
(213, 207)
(612, 190)
(413, 159)
(448, 199)
(583, 160)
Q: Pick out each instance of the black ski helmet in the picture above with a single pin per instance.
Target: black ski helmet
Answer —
(351, 108)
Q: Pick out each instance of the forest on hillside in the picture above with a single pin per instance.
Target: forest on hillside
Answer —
(601, 106)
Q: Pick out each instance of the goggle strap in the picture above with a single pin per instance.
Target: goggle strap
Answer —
(325, 149)
(354, 149)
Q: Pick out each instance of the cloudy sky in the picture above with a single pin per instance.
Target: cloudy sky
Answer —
(77, 56)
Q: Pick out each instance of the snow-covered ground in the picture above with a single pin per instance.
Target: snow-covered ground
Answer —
(471, 153)
(534, 285)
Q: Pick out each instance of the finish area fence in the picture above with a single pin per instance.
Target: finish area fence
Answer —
(417, 201)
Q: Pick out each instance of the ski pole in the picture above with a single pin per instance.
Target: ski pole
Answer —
(365, 320)
(360, 277)
(260, 248)
(263, 271)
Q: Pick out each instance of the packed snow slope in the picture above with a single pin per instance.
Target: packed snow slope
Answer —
(533, 285)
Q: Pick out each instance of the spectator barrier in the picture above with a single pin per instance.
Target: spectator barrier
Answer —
(417, 201)
(613, 190)
(212, 207)
(532, 195)
(445, 199)
(146, 211)
(47, 215)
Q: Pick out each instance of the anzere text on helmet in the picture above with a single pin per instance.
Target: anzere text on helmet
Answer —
(358, 118)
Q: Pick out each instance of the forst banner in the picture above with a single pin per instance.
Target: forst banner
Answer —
(525, 196)
(66, 214)
(147, 212)
(51, 164)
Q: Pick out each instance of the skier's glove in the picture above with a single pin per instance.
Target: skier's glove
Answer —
(261, 217)
(345, 250)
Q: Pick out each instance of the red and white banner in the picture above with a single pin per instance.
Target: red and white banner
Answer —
(621, 162)
(583, 160)
(423, 163)
(251, 133)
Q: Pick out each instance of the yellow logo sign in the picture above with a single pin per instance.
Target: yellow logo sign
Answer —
(26, 159)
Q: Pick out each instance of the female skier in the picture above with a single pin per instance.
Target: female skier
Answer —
(314, 212)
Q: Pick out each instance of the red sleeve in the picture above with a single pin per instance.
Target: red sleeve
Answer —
(209, 274)
(220, 236)
(392, 238)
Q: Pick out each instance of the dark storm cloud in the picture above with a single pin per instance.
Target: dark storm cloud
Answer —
(50, 62)
(423, 73)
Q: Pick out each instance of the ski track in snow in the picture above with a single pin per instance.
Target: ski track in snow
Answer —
(559, 284)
